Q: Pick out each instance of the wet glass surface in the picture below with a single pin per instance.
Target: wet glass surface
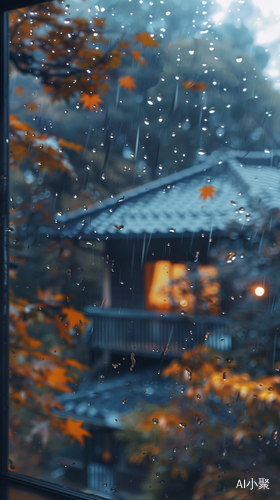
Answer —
(144, 247)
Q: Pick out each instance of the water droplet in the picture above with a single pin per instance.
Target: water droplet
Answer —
(103, 176)
(191, 52)
(67, 20)
(239, 59)
(198, 396)
(171, 230)
(155, 420)
(200, 421)
(241, 210)
(183, 425)
(159, 97)
(124, 401)
(224, 452)
(231, 256)
(201, 152)
(160, 119)
(203, 442)
(153, 457)
(212, 110)
(157, 474)
(146, 121)
(186, 446)
(150, 101)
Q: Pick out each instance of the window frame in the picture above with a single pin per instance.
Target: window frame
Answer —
(9, 479)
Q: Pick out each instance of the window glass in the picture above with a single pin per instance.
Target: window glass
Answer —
(144, 247)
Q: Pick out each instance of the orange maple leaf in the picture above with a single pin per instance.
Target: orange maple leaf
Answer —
(137, 57)
(58, 379)
(76, 364)
(77, 147)
(127, 82)
(75, 318)
(146, 40)
(91, 101)
(194, 86)
(207, 191)
(73, 428)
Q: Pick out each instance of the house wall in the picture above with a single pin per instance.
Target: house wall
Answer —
(127, 257)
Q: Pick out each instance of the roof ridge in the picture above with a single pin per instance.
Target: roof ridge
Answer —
(207, 164)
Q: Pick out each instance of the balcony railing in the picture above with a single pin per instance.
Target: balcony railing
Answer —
(147, 333)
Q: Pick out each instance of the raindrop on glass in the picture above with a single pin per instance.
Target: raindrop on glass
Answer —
(231, 256)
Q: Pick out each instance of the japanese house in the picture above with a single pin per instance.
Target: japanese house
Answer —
(154, 235)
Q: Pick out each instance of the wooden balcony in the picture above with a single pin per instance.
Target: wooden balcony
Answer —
(147, 333)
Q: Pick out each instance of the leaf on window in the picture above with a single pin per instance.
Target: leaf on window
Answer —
(91, 101)
(206, 191)
(194, 86)
(146, 40)
(74, 429)
(127, 82)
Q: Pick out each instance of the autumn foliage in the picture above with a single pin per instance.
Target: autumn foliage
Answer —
(220, 420)
(77, 73)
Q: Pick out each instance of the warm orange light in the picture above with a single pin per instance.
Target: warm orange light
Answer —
(183, 303)
(259, 291)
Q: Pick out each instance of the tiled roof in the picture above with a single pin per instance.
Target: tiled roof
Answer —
(174, 202)
(104, 402)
